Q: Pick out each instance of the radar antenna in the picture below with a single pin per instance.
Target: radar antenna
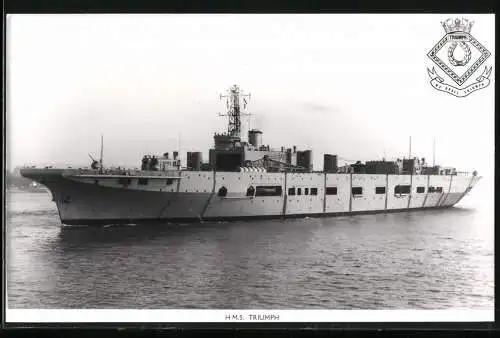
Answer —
(234, 111)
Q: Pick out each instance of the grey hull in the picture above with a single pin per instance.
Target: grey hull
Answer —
(81, 201)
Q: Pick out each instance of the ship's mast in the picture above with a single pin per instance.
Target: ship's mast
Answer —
(100, 159)
(234, 111)
(409, 153)
(434, 152)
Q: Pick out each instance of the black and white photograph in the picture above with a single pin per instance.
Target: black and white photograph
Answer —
(258, 167)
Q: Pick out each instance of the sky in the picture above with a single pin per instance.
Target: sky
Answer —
(355, 85)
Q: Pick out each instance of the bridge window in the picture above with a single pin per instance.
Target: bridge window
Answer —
(431, 189)
(357, 191)
(250, 191)
(314, 191)
(222, 192)
(306, 191)
(331, 190)
(401, 189)
(268, 190)
(299, 191)
(420, 190)
(142, 181)
(439, 189)
(379, 190)
(291, 191)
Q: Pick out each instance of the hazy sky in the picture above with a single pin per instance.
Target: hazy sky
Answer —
(352, 85)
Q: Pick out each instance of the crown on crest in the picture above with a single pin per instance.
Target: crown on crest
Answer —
(457, 25)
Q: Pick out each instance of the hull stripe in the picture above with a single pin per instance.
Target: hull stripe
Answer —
(173, 197)
(236, 218)
(324, 195)
(386, 189)
(465, 192)
(411, 189)
(350, 193)
(426, 190)
(202, 214)
(449, 189)
(285, 194)
(439, 199)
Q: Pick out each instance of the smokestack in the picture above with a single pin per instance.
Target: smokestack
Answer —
(330, 163)
(255, 138)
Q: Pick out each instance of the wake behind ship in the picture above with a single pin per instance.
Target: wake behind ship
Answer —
(246, 180)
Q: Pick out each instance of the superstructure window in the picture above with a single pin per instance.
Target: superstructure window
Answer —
(379, 190)
(331, 190)
(306, 191)
(268, 190)
(314, 191)
(299, 191)
(431, 189)
(142, 181)
(170, 181)
(401, 189)
(439, 189)
(420, 190)
(291, 191)
(250, 191)
(357, 191)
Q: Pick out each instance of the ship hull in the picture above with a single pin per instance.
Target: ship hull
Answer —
(193, 220)
(194, 196)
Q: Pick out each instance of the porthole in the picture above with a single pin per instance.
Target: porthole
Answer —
(250, 191)
(222, 192)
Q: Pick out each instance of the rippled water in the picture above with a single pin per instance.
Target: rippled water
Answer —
(437, 259)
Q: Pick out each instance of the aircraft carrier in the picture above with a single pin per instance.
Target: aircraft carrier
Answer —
(246, 179)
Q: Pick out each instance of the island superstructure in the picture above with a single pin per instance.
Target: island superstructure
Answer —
(246, 179)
